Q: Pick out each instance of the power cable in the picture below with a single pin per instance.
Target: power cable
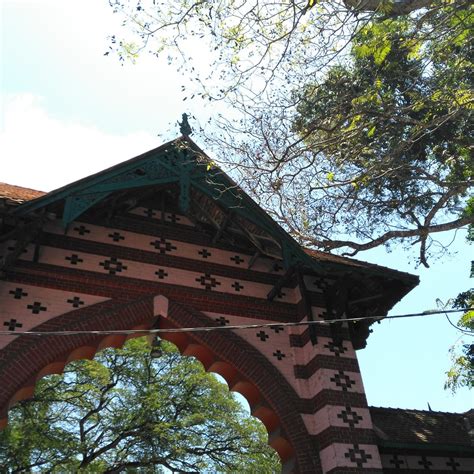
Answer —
(232, 327)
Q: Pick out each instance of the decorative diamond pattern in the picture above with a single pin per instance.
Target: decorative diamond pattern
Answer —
(276, 267)
(173, 218)
(74, 259)
(349, 416)
(237, 259)
(36, 307)
(149, 213)
(76, 302)
(453, 464)
(277, 329)
(425, 463)
(18, 293)
(237, 286)
(161, 274)
(279, 355)
(12, 248)
(262, 335)
(336, 349)
(397, 463)
(280, 294)
(358, 456)
(321, 283)
(163, 245)
(116, 236)
(113, 265)
(208, 281)
(82, 230)
(342, 380)
(12, 324)
(204, 253)
(222, 321)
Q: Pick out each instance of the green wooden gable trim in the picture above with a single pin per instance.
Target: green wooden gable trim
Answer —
(180, 161)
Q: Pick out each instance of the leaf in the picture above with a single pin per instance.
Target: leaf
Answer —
(371, 132)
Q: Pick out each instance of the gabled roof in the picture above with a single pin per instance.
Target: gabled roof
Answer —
(395, 426)
(204, 190)
(181, 161)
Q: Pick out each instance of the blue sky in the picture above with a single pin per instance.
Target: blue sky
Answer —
(68, 111)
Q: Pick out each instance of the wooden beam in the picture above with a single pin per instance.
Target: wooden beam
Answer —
(281, 283)
(222, 227)
(253, 259)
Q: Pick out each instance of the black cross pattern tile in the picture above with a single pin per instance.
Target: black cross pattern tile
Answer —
(222, 321)
(161, 274)
(262, 335)
(336, 349)
(74, 259)
(425, 463)
(453, 464)
(12, 324)
(277, 267)
(149, 213)
(204, 253)
(321, 283)
(237, 286)
(280, 294)
(36, 307)
(163, 245)
(279, 355)
(82, 230)
(12, 248)
(18, 293)
(397, 463)
(116, 236)
(113, 265)
(208, 281)
(76, 302)
(358, 456)
(277, 329)
(349, 416)
(342, 380)
(173, 218)
(237, 259)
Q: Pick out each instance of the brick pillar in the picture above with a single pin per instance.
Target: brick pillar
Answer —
(334, 407)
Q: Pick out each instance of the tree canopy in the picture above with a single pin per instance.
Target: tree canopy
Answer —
(461, 374)
(353, 123)
(126, 410)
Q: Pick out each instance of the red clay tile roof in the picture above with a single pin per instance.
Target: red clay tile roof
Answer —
(423, 427)
(18, 194)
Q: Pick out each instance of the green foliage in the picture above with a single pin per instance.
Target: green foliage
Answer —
(396, 122)
(125, 411)
(461, 373)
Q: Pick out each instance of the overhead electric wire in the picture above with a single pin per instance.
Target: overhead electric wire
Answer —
(222, 327)
(465, 331)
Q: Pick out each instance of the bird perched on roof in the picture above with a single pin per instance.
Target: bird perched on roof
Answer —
(184, 126)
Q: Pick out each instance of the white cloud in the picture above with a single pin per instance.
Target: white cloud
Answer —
(41, 152)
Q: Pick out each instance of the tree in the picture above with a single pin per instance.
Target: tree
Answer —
(353, 118)
(461, 373)
(126, 411)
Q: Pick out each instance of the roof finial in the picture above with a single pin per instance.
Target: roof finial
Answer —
(184, 126)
